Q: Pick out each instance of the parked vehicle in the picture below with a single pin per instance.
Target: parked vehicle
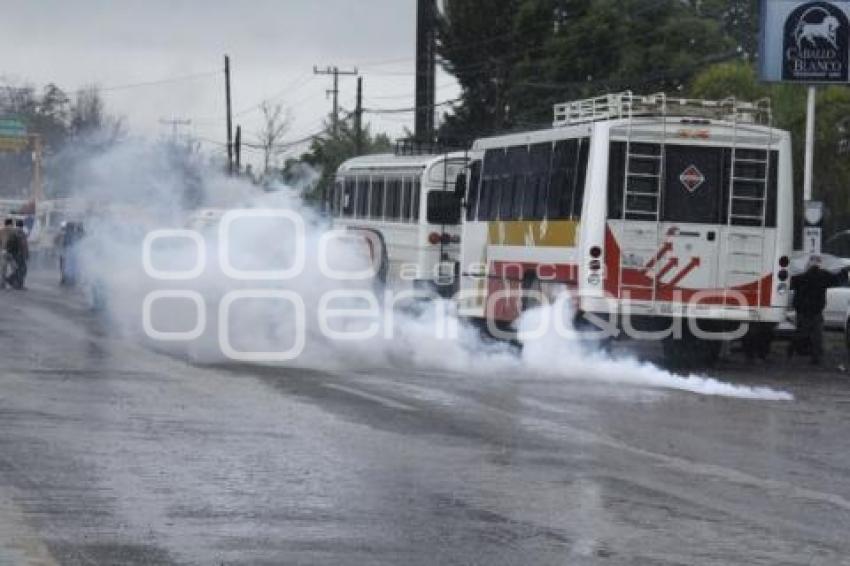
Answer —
(406, 208)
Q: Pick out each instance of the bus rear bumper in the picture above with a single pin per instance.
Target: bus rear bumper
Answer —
(613, 307)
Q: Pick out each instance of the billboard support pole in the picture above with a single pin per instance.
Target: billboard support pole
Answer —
(810, 145)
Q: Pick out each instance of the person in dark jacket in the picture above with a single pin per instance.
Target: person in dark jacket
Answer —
(6, 262)
(14, 253)
(24, 256)
(809, 302)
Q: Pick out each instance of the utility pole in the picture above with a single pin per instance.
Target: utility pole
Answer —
(808, 165)
(37, 186)
(175, 123)
(229, 114)
(334, 91)
(237, 149)
(358, 118)
(426, 69)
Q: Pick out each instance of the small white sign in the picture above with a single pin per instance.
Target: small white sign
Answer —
(813, 212)
(811, 240)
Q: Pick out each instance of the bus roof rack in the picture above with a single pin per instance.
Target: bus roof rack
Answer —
(625, 105)
(411, 146)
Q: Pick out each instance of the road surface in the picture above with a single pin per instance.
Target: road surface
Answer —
(111, 453)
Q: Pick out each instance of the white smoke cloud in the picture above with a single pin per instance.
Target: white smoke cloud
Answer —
(135, 189)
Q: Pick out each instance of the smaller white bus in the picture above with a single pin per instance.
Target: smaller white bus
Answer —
(405, 206)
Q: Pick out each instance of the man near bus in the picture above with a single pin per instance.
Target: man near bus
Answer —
(23, 256)
(7, 229)
(17, 252)
(809, 302)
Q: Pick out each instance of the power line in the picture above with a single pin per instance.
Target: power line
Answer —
(400, 96)
(289, 144)
(127, 86)
(335, 72)
(152, 83)
(292, 87)
(405, 110)
(175, 123)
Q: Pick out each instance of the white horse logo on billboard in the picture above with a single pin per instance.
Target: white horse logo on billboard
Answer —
(826, 30)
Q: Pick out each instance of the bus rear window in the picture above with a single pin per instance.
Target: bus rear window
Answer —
(692, 184)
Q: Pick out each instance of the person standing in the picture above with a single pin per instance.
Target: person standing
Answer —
(16, 253)
(4, 257)
(809, 302)
(24, 256)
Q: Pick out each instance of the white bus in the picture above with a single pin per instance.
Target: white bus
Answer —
(406, 207)
(645, 207)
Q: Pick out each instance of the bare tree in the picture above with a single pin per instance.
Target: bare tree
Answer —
(90, 119)
(276, 123)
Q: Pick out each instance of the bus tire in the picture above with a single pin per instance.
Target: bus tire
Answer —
(847, 334)
(757, 341)
(690, 352)
(531, 292)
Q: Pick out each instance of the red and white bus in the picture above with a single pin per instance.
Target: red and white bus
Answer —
(647, 208)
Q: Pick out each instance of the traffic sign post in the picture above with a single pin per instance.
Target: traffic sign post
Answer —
(812, 233)
(812, 237)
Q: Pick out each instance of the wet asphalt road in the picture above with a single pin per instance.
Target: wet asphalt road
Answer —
(113, 454)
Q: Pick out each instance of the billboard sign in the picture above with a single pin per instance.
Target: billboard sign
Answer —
(12, 128)
(805, 42)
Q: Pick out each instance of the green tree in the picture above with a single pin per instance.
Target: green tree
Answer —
(723, 80)
(328, 151)
(46, 114)
(788, 102)
(515, 59)
(478, 45)
(738, 18)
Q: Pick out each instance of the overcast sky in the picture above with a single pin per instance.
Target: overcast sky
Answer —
(273, 45)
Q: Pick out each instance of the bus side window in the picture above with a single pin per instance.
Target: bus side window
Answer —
(406, 198)
(349, 192)
(518, 159)
(362, 207)
(393, 211)
(485, 192)
(534, 203)
(580, 177)
(376, 200)
(472, 190)
(561, 179)
(491, 184)
(336, 198)
(417, 190)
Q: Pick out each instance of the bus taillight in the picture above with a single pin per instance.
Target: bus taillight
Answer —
(595, 252)
(435, 238)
